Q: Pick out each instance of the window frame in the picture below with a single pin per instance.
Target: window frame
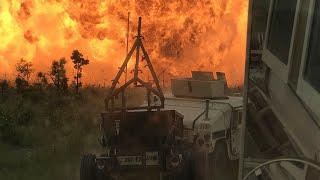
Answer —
(308, 94)
(274, 63)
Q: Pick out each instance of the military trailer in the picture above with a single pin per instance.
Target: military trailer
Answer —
(144, 145)
(140, 143)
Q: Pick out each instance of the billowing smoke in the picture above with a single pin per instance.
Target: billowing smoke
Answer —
(180, 35)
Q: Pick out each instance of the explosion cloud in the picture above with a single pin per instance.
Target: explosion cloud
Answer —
(180, 35)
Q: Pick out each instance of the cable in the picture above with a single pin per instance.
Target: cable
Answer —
(314, 165)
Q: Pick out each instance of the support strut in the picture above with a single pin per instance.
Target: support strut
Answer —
(114, 91)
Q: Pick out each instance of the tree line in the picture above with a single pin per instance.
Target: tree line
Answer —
(56, 77)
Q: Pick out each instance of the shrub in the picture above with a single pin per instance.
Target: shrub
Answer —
(14, 124)
(23, 116)
(7, 125)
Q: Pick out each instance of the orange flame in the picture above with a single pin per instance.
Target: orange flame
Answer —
(180, 35)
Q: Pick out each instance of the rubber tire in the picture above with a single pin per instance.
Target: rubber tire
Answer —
(88, 167)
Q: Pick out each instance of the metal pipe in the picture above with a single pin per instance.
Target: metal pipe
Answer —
(196, 119)
(127, 49)
(136, 69)
(207, 109)
(139, 27)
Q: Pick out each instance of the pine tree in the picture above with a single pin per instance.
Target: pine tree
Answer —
(79, 61)
(58, 74)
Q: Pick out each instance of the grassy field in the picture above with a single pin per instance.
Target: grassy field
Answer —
(43, 133)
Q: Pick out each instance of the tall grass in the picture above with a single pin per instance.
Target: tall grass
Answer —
(43, 133)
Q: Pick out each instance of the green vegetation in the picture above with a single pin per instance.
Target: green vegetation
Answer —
(45, 126)
(58, 75)
(24, 70)
(43, 133)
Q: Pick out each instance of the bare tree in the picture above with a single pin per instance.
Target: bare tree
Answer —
(79, 61)
(58, 74)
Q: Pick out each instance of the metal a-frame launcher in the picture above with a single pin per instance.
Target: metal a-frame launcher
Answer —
(114, 92)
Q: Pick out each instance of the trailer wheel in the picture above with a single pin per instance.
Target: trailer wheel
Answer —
(87, 167)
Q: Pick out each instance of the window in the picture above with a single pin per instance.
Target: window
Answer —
(312, 72)
(281, 28)
(298, 44)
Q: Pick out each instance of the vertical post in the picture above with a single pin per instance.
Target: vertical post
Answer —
(128, 30)
(123, 94)
(124, 106)
(136, 69)
(163, 80)
(245, 95)
(123, 99)
(127, 49)
(139, 27)
(149, 99)
(207, 108)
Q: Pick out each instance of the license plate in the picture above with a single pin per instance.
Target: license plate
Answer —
(130, 160)
(152, 158)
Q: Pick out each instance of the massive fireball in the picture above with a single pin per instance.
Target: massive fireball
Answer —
(180, 35)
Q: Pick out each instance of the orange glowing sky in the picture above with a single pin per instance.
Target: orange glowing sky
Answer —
(188, 35)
